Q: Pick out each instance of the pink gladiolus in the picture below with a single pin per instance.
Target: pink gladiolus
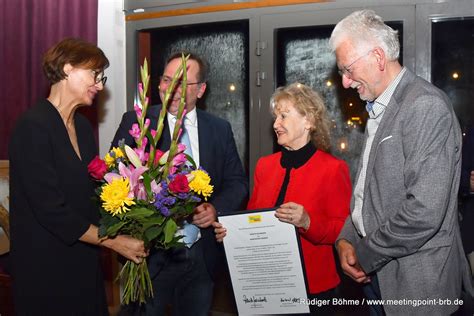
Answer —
(135, 131)
(147, 122)
(140, 88)
(153, 133)
(179, 159)
(138, 110)
(172, 170)
(141, 153)
(181, 119)
(181, 148)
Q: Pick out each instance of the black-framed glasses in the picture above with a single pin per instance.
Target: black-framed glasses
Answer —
(165, 80)
(99, 77)
(346, 70)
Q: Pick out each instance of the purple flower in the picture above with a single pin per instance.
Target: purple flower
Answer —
(165, 211)
(158, 203)
(183, 195)
(170, 200)
(195, 198)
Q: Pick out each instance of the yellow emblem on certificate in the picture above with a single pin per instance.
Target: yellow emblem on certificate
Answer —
(255, 218)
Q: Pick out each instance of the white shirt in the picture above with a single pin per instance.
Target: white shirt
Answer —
(191, 124)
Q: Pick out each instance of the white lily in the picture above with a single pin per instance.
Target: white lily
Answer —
(133, 157)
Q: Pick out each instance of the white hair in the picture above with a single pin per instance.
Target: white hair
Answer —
(365, 29)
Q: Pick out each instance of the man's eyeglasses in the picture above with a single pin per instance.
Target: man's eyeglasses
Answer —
(346, 70)
(99, 77)
(165, 80)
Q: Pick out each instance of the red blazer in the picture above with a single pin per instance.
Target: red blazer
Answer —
(322, 185)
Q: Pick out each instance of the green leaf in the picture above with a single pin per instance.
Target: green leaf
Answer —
(139, 213)
(191, 160)
(153, 221)
(150, 138)
(108, 220)
(113, 230)
(147, 183)
(153, 232)
(170, 230)
(102, 231)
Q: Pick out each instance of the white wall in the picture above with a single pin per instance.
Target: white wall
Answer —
(111, 39)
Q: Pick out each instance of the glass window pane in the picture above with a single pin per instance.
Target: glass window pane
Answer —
(452, 63)
(303, 55)
(225, 47)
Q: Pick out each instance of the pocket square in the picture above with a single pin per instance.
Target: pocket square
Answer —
(388, 137)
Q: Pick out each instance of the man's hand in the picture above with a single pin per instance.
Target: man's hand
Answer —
(204, 215)
(220, 231)
(349, 263)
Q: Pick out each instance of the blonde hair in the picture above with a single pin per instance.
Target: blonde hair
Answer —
(310, 104)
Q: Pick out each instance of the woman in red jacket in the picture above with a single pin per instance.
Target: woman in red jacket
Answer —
(310, 188)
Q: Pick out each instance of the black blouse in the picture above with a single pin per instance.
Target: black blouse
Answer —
(293, 159)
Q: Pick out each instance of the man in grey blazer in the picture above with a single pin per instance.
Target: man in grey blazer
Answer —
(402, 239)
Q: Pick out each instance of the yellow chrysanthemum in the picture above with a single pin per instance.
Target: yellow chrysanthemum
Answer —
(115, 196)
(201, 183)
(110, 159)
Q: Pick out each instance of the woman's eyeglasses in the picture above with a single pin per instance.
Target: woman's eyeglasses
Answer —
(99, 77)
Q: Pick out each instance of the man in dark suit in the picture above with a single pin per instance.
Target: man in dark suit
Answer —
(402, 239)
(183, 277)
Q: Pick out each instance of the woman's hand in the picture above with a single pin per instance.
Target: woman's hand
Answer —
(294, 214)
(129, 247)
(220, 231)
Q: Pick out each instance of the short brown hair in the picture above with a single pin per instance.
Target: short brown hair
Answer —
(310, 104)
(203, 68)
(76, 52)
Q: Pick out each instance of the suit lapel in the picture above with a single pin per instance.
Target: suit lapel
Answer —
(387, 122)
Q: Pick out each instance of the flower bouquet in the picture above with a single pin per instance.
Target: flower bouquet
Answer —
(147, 193)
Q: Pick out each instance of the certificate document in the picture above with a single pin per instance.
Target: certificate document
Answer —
(264, 263)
